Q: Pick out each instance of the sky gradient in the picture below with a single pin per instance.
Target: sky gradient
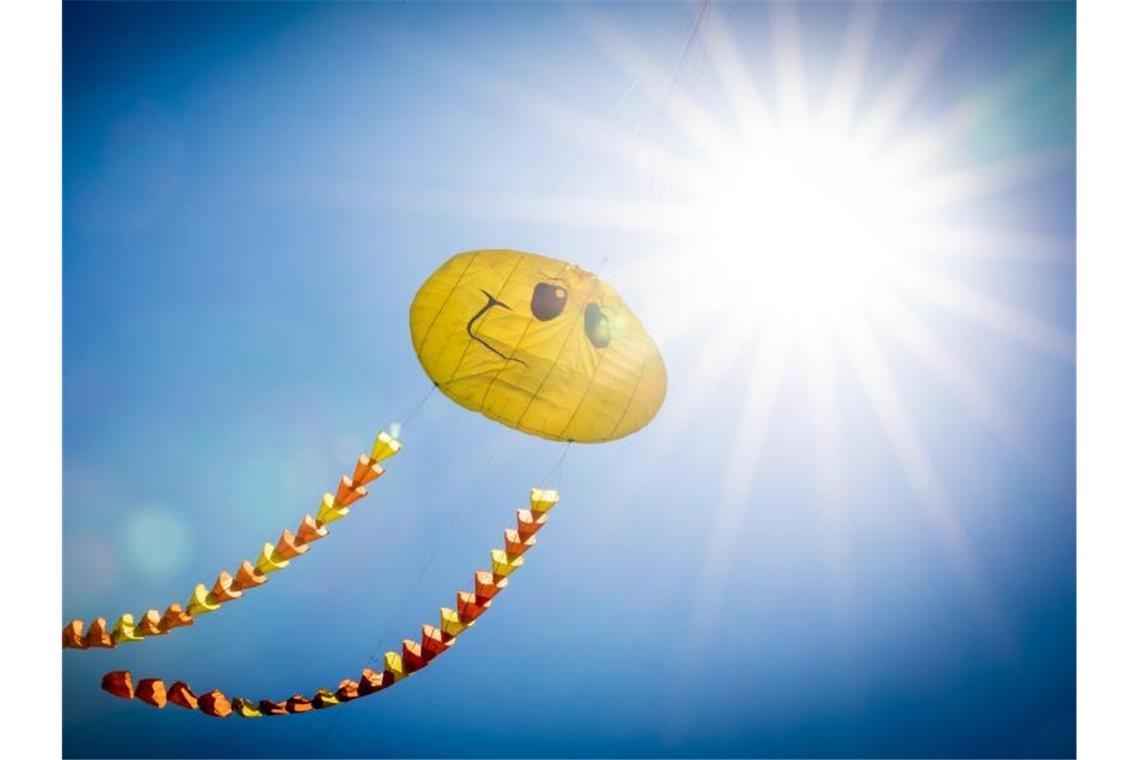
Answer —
(252, 195)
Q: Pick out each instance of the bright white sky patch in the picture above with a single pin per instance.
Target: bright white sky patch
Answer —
(814, 229)
(799, 226)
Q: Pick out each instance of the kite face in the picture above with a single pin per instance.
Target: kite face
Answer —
(537, 344)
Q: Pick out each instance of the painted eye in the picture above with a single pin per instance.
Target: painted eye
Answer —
(548, 301)
(597, 326)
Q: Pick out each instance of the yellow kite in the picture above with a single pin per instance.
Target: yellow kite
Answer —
(537, 344)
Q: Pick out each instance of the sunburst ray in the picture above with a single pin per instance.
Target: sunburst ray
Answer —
(827, 235)
(893, 100)
(922, 342)
(788, 69)
(917, 465)
(769, 363)
(839, 103)
(990, 312)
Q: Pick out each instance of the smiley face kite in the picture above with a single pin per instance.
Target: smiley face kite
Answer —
(537, 344)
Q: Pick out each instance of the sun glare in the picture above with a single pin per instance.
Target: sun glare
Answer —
(815, 229)
(808, 227)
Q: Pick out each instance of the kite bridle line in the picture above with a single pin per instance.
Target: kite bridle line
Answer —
(553, 476)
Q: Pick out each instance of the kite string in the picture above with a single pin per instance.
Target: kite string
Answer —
(443, 536)
(678, 72)
(650, 152)
(654, 144)
(575, 159)
(403, 423)
(547, 481)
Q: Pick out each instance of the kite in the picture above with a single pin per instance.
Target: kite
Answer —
(537, 344)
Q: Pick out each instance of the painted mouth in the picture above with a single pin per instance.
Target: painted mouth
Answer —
(492, 302)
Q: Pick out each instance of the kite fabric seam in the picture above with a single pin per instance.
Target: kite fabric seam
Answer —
(397, 665)
(596, 285)
(442, 306)
(515, 349)
(632, 395)
(249, 575)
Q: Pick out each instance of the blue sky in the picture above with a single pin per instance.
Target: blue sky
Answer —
(252, 195)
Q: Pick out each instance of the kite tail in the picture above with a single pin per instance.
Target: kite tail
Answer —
(249, 574)
(397, 665)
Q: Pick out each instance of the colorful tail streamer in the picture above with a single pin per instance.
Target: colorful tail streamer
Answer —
(397, 665)
(249, 575)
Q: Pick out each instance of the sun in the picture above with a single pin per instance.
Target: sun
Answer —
(814, 228)
(814, 224)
